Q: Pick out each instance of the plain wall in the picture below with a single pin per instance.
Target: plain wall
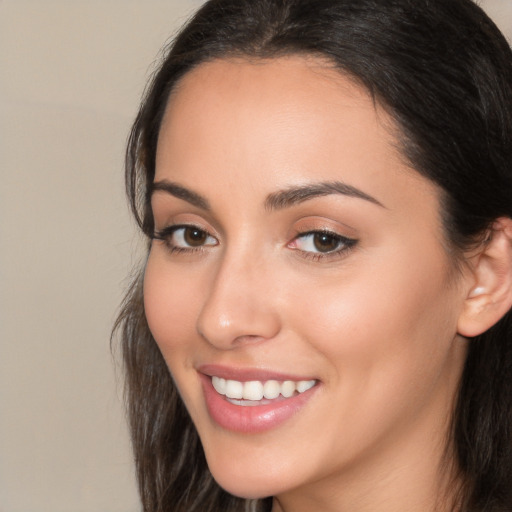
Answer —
(71, 75)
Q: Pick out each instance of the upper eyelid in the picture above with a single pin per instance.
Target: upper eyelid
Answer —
(319, 222)
(342, 238)
(320, 230)
(347, 241)
(324, 230)
(208, 221)
(171, 228)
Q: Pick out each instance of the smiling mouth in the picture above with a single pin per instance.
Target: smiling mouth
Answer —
(255, 392)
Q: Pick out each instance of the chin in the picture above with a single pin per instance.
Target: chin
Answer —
(245, 482)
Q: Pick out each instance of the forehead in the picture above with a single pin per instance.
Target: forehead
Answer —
(300, 75)
(283, 100)
(266, 123)
(285, 86)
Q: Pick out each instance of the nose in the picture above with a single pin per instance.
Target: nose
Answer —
(239, 307)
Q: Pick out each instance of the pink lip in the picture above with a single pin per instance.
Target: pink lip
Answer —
(252, 419)
(247, 374)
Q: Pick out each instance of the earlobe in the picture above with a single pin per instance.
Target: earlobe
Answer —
(490, 297)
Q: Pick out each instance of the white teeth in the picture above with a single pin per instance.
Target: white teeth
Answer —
(256, 390)
(288, 388)
(271, 389)
(219, 384)
(304, 385)
(234, 389)
(253, 390)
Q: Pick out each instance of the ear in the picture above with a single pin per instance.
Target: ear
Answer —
(490, 295)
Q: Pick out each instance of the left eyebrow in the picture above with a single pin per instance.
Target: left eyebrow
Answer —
(295, 195)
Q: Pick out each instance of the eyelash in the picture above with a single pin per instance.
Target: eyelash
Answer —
(345, 244)
(167, 233)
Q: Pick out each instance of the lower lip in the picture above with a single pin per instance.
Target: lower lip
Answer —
(251, 419)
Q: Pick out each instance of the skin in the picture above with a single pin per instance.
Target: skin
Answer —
(376, 324)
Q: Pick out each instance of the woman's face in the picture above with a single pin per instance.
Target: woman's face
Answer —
(299, 267)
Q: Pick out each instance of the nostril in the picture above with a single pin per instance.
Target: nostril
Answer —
(248, 338)
(232, 334)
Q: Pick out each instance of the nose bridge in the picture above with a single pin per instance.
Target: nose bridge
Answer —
(237, 307)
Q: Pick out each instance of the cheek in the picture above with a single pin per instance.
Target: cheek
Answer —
(386, 343)
(391, 323)
(170, 302)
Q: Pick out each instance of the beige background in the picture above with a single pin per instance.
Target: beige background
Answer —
(71, 75)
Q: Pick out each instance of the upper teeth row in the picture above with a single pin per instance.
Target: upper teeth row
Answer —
(257, 390)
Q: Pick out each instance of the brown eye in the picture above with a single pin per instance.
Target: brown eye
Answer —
(194, 237)
(322, 243)
(185, 238)
(325, 242)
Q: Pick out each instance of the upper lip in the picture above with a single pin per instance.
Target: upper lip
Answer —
(244, 374)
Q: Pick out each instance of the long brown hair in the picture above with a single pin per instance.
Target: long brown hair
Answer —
(444, 72)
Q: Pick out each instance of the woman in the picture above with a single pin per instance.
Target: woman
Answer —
(323, 322)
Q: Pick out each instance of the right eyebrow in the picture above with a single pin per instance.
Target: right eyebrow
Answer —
(181, 193)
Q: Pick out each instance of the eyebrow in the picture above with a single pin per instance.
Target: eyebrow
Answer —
(296, 195)
(181, 193)
(274, 201)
